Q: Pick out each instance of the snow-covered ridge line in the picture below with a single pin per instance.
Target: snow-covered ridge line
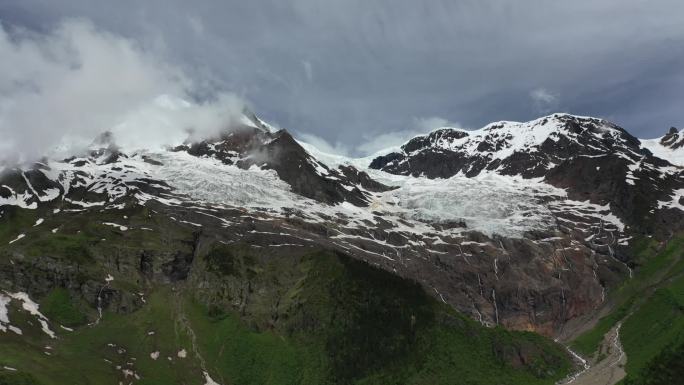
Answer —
(509, 137)
(523, 136)
(490, 202)
(546, 141)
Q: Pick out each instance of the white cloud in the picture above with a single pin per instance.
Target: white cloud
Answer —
(386, 141)
(433, 122)
(372, 144)
(308, 70)
(67, 86)
(377, 143)
(323, 145)
(369, 58)
(543, 100)
(196, 25)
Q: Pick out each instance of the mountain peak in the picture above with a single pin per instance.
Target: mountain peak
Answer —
(673, 139)
(526, 148)
(669, 146)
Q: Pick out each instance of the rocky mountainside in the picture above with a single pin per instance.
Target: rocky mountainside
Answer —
(523, 225)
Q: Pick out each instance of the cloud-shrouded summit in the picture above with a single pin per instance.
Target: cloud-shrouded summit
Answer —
(63, 87)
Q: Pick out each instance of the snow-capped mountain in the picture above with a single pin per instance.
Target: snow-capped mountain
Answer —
(669, 146)
(519, 224)
(528, 149)
(590, 158)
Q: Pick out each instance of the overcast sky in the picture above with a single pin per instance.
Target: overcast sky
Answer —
(360, 75)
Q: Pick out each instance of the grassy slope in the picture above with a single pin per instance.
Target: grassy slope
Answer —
(370, 327)
(655, 265)
(79, 357)
(666, 368)
(345, 322)
(651, 309)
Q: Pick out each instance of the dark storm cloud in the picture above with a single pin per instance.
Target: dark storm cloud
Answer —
(347, 71)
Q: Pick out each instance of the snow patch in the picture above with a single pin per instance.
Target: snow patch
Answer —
(4, 316)
(32, 308)
(208, 380)
(489, 203)
(674, 156)
(120, 227)
(674, 203)
(20, 200)
(17, 238)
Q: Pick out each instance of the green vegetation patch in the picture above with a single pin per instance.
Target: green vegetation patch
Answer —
(59, 307)
(238, 354)
(91, 354)
(17, 378)
(13, 220)
(657, 326)
(319, 318)
(587, 343)
(346, 322)
(666, 368)
(656, 266)
(75, 247)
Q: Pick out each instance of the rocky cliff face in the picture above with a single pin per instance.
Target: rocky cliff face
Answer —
(673, 139)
